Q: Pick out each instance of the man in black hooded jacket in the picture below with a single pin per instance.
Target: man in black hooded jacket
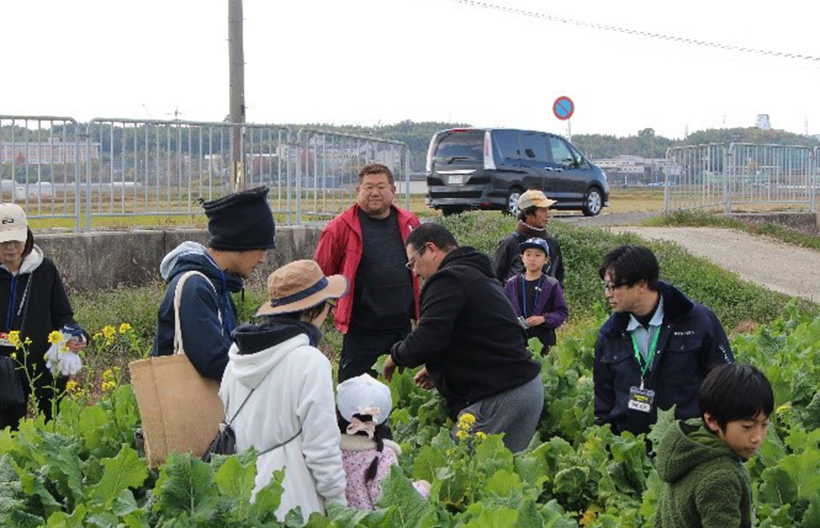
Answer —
(469, 341)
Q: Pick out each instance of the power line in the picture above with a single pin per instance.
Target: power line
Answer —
(636, 32)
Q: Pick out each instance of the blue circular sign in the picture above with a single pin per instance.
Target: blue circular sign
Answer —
(563, 107)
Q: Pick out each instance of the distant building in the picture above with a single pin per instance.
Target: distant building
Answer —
(628, 169)
(762, 122)
(45, 152)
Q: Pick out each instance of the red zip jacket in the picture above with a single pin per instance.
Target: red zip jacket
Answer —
(340, 250)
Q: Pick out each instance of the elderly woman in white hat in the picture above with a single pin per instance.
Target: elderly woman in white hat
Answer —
(278, 390)
(34, 303)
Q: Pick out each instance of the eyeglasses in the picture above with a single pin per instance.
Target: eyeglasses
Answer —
(412, 260)
(608, 286)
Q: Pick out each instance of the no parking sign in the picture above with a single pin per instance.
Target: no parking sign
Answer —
(563, 108)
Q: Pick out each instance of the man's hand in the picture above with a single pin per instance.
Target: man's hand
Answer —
(388, 368)
(423, 379)
(535, 320)
(76, 345)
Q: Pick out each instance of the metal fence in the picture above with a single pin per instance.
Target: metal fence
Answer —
(741, 176)
(114, 167)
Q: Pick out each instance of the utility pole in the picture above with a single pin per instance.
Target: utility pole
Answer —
(237, 91)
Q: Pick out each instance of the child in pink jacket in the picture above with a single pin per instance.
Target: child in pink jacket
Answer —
(364, 405)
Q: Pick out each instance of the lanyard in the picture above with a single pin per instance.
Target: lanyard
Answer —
(538, 287)
(650, 353)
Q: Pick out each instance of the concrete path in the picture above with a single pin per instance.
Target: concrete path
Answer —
(772, 264)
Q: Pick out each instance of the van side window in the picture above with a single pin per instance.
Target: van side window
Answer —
(561, 152)
(506, 141)
(534, 147)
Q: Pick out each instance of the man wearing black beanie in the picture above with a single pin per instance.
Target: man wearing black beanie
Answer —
(242, 231)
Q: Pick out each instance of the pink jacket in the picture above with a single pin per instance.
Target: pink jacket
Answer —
(357, 454)
(340, 250)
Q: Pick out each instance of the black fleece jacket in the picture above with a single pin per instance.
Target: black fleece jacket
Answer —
(467, 335)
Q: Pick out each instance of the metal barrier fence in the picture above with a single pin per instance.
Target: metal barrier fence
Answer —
(114, 167)
(748, 175)
(328, 166)
(40, 161)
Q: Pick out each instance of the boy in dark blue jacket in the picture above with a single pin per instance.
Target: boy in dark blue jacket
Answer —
(537, 298)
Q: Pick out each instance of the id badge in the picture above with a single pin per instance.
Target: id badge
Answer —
(641, 399)
(4, 340)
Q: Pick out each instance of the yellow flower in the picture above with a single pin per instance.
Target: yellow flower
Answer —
(14, 355)
(71, 386)
(27, 341)
(14, 338)
(125, 327)
(55, 337)
(466, 421)
(108, 386)
(481, 435)
(783, 408)
(109, 332)
(462, 434)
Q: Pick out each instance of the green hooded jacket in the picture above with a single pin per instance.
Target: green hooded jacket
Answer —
(706, 484)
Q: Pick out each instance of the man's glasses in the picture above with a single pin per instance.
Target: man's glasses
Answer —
(608, 286)
(412, 260)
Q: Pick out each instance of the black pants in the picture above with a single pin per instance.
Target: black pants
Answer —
(361, 349)
(43, 390)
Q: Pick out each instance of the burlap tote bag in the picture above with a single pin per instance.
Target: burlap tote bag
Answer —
(180, 409)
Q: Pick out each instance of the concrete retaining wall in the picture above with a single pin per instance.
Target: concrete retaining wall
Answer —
(106, 260)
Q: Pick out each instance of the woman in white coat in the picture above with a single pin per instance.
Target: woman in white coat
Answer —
(279, 386)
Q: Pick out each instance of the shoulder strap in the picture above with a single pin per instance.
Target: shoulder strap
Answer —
(178, 301)
(552, 281)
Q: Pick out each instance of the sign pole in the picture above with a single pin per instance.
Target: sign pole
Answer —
(569, 130)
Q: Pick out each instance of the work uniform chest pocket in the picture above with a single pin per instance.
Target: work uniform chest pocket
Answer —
(679, 363)
(622, 366)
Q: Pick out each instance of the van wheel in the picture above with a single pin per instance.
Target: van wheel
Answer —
(512, 202)
(593, 202)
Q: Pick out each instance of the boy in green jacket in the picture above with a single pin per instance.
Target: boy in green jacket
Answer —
(701, 463)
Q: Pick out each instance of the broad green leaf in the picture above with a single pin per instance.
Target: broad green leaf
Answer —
(533, 472)
(778, 488)
(504, 483)
(236, 480)
(63, 520)
(92, 425)
(125, 503)
(528, 516)
(494, 517)
(269, 497)
(185, 486)
(102, 520)
(663, 423)
(804, 469)
(492, 455)
(408, 507)
(124, 471)
(571, 481)
(427, 461)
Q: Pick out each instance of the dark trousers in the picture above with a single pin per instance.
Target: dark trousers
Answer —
(362, 348)
(44, 390)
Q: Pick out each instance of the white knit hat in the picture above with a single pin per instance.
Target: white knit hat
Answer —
(364, 395)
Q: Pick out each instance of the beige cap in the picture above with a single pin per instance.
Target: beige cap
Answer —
(534, 198)
(300, 285)
(13, 223)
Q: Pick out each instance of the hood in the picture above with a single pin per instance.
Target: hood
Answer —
(469, 257)
(190, 256)
(259, 348)
(685, 446)
(30, 263)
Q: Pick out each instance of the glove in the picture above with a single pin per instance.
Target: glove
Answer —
(60, 359)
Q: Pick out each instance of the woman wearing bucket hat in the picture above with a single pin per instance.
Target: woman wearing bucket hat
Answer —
(278, 390)
(33, 302)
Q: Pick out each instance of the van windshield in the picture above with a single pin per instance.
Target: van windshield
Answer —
(461, 146)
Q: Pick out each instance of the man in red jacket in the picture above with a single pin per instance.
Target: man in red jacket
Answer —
(366, 245)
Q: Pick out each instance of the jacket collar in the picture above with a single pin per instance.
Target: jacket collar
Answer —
(675, 304)
(351, 217)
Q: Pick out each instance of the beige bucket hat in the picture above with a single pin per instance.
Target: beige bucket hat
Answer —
(299, 286)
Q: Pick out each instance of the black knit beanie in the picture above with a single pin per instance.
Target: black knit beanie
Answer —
(241, 221)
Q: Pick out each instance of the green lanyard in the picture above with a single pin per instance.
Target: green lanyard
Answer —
(650, 354)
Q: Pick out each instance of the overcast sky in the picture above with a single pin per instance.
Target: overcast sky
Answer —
(371, 61)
